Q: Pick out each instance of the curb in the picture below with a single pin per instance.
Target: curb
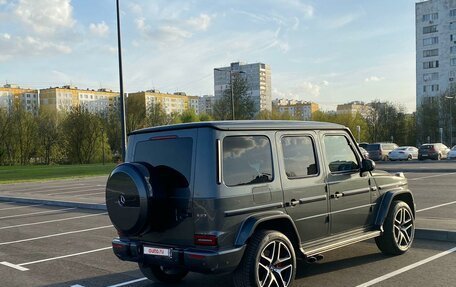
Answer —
(435, 234)
(84, 205)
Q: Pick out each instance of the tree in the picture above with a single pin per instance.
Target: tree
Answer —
(135, 114)
(83, 136)
(189, 116)
(156, 116)
(274, 114)
(244, 106)
(6, 144)
(49, 134)
(24, 133)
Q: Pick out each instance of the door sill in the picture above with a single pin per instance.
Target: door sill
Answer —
(337, 241)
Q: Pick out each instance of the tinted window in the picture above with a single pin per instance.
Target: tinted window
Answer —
(299, 156)
(175, 153)
(339, 154)
(372, 147)
(428, 146)
(247, 160)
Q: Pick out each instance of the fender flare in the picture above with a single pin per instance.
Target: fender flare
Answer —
(250, 224)
(386, 201)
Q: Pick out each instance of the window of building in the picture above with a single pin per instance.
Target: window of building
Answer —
(340, 155)
(453, 25)
(430, 41)
(430, 76)
(430, 17)
(430, 64)
(430, 88)
(430, 29)
(452, 12)
(299, 156)
(247, 160)
(453, 62)
(430, 53)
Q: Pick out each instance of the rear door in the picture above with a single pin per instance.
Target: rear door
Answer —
(303, 183)
(349, 190)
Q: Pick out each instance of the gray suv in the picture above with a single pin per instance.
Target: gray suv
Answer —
(250, 197)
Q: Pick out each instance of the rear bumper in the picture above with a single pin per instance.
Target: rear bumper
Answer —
(196, 260)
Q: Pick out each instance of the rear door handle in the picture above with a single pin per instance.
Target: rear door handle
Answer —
(337, 195)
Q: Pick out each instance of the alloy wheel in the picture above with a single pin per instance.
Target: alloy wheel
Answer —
(275, 266)
(404, 228)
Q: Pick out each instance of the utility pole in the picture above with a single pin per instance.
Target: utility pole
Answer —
(122, 99)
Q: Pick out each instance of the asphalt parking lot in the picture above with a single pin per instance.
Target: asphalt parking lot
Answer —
(43, 245)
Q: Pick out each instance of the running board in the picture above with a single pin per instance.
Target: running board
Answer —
(318, 249)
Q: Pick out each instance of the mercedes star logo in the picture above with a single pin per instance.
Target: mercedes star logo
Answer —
(122, 200)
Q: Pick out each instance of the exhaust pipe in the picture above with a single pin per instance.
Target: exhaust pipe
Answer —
(315, 258)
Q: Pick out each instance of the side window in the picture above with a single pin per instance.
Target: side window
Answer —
(299, 156)
(247, 160)
(339, 154)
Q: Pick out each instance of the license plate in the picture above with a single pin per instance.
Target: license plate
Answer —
(424, 154)
(157, 251)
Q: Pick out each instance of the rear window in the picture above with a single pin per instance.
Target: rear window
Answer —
(372, 147)
(247, 160)
(428, 146)
(175, 153)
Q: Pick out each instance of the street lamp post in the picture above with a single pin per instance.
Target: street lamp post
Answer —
(451, 120)
(122, 100)
(358, 129)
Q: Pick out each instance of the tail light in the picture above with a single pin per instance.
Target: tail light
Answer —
(205, 240)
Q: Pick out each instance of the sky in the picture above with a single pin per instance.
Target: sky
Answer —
(329, 52)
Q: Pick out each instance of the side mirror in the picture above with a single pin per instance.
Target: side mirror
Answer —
(367, 165)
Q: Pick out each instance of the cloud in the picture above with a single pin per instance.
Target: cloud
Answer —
(201, 22)
(306, 9)
(6, 36)
(373, 79)
(18, 46)
(342, 21)
(100, 29)
(46, 16)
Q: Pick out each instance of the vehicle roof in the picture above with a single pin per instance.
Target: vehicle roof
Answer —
(247, 125)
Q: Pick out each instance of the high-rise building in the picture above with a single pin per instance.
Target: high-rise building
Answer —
(67, 97)
(13, 94)
(258, 78)
(435, 48)
(171, 103)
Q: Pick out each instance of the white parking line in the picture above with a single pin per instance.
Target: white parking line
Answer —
(128, 282)
(73, 191)
(34, 213)
(65, 256)
(54, 235)
(50, 221)
(45, 188)
(21, 268)
(429, 176)
(22, 206)
(406, 268)
(436, 206)
(49, 189)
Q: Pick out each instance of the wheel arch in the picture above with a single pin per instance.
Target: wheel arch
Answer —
(272, 221)
(386, 201)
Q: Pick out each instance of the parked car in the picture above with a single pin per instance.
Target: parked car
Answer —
(404, 153)
(380, 151)
(452, 153)
(364, 152)
(250, 197)
(436, 151)
(363, 145)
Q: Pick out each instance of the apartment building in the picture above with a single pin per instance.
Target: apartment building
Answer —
(171, 103)
(258, 78)
(13, 94)
(435, 48)
(206, 104)
(65, 98)
(355, 107)
(301, 110)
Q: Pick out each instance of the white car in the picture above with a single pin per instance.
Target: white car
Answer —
(403, 153)
(452, 153)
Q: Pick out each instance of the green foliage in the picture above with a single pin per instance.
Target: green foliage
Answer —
(244, 106)
(189, 116)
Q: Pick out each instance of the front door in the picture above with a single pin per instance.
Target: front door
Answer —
(349, 190)
(303, 183)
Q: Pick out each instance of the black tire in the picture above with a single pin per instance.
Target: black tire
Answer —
(256, 265)
(409, 157)
(399, 230)
(171, 275)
